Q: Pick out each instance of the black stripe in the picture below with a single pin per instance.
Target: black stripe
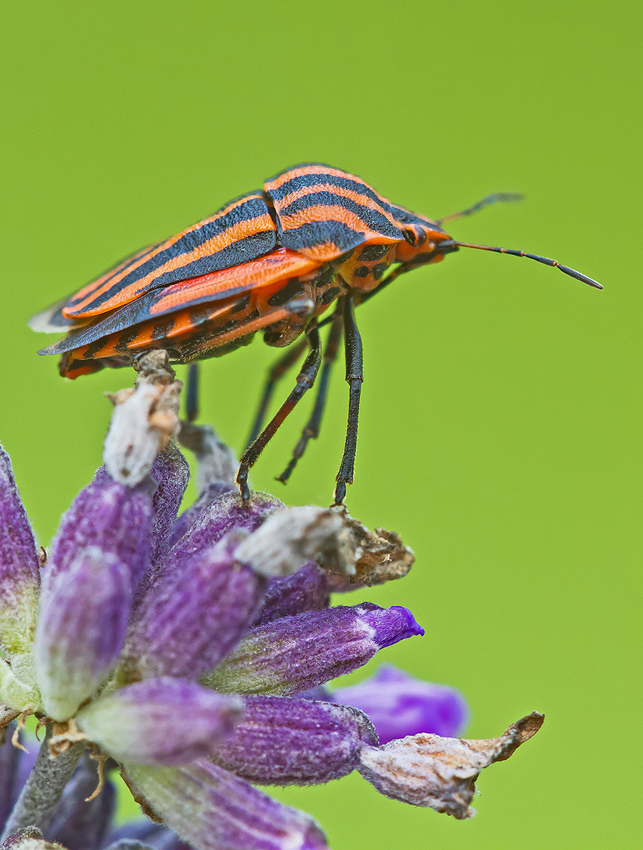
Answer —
(373, 252)
(316, 233)
(375, 220)
(125, 339)
(162, 328)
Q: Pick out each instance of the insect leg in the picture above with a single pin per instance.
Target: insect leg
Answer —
(305, 380)
(311, 431)
(277, 371)
(354, 377)
(192, 393)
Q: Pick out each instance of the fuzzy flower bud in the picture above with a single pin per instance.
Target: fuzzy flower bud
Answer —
(292, 654)
(19, 567)
(81, 629)
(160, 721)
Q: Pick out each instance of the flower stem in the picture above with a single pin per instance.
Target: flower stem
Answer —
(43, 789)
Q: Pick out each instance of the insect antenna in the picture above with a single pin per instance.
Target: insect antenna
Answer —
(497, 197)
(545, 260)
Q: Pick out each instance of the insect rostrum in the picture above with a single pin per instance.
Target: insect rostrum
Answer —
(272, 260)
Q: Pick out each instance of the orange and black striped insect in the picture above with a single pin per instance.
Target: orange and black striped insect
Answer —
(272, 260)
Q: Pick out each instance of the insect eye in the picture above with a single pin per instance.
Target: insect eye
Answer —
(411, 236)
(415, 237)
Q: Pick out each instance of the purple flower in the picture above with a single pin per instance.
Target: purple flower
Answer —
(400, 705)
(295, 653)
(177, 646)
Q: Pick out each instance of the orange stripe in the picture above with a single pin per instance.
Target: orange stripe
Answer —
(256, 273)
(237, 231)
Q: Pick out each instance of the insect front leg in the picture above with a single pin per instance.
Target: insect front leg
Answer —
(311, 431)
(305, 380)
(354, 377)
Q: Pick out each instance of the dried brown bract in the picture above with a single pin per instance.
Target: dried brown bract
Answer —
(427, 770)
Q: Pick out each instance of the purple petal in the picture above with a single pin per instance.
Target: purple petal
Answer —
(396, 625)
(222, 516)
(400, 705)
(19, 566)
(171, 472)
(115, 518)
(193, 616)
(305, 590)
(297, 653)
(81, 629)
(214, 810)
(284, 741)
(78, 824)
(160, 721)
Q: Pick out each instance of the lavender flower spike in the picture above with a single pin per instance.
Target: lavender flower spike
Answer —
(160, 721)
(215, 810)
(293, 654)
(19, 567)
(400, 705)
(81, 629)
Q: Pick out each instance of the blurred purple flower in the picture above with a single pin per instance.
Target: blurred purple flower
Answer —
(400, 705)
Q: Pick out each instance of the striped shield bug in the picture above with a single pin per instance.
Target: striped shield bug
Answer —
(273, 260)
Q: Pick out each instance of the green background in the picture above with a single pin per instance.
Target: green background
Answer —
(500, 431)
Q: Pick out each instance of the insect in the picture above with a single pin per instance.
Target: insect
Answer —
(272, 260)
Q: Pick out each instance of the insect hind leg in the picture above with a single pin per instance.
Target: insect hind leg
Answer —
(305, 380)
(311, 431)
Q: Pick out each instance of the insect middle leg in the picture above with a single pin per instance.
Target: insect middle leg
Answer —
(277, 371)
(305, 380)
(192, 393)
(354, 377)
(311, 431)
